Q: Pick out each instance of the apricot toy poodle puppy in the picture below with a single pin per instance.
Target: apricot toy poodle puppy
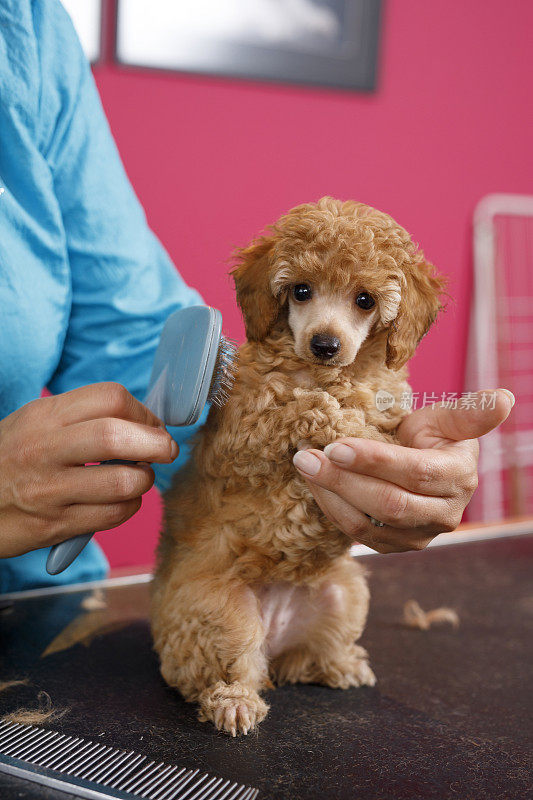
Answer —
(254, 585)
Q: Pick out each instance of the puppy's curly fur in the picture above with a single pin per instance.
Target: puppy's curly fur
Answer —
(254, 584)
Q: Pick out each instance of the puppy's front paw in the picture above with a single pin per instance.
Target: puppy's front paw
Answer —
(232, 707)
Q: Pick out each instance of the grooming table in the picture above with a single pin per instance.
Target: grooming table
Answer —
(449, 718)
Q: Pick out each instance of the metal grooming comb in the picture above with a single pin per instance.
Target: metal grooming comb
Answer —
(94, 770)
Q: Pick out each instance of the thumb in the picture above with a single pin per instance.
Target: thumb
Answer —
(478, 415)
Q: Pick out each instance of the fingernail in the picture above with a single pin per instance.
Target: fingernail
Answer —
(306, 462)
(512, 398)
(340, 453)
(174, 450)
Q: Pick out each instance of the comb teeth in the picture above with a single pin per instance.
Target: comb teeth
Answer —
(89, 769)
(223, 373)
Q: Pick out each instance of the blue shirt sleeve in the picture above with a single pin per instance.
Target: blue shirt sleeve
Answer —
(123, 284)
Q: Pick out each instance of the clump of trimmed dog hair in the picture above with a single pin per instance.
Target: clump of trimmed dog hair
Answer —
(5, 685)
(95, 601)
(415, 617)
(36, 716)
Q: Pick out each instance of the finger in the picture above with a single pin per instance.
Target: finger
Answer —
(74, 520)
(87, 518)
(108, 438)
(358, 527)
(397, 541)
(343, 515)
(81, 518)
(433, 472)
(486, 411)
(101, 400)
(103, 484)
(378, 498)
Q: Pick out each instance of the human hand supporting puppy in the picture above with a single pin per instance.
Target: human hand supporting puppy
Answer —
(418, 488)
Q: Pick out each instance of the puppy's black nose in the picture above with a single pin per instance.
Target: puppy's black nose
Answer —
(323, 346)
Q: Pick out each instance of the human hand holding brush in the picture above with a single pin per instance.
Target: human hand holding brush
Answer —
(47, 495)
(418, 488)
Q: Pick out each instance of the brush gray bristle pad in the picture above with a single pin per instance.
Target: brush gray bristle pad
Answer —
(94, 770)
(224, 372)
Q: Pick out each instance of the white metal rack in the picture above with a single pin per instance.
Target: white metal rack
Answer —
(500, 351)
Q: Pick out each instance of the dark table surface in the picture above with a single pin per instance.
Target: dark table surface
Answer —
(449, 718)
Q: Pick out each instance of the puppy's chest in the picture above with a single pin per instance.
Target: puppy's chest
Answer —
(311, 416)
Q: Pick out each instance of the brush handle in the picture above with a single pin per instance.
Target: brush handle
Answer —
(63, 554)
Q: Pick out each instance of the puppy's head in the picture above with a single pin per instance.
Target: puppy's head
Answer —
(337, 272)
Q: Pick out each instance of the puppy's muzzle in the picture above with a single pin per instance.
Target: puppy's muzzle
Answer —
(324, 346)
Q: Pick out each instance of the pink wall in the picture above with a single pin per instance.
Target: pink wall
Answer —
(213, 161)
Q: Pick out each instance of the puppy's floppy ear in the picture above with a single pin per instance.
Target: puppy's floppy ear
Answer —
(252, 275)
(419, 306)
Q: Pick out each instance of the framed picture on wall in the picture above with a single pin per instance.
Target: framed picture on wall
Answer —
(318, 42)
(86, 16)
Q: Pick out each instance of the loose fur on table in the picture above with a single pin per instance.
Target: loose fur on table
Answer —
(95, 601)
(254, 585)
(5, 685)
(415, 617)
(36, 716)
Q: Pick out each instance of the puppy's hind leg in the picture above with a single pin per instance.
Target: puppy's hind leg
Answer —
(209, 637)
(329, 654)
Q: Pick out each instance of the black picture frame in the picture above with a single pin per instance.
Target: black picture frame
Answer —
(349, 64)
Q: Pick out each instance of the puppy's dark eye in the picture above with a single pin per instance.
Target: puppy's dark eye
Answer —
(365, 301)
(302, 292)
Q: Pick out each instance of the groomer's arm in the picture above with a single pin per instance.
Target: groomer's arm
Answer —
(124, 285)
(418, 489)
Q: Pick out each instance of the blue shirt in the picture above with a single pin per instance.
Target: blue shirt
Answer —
(85, 286)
